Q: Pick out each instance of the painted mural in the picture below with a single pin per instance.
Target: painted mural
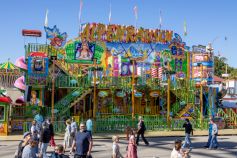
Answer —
(116, 57)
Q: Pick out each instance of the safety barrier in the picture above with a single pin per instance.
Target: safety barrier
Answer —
(59, 126)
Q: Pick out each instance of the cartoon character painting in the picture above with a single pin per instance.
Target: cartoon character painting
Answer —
(57, 39)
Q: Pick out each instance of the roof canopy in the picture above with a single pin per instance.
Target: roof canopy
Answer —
(8, 66)
(218, 79)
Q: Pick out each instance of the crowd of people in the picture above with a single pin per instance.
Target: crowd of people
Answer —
(78, 140)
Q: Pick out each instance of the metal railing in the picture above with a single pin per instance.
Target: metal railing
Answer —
(59, 126)
(72, 82)
(47, 49)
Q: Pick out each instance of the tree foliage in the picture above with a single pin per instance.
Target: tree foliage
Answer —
(220, 68)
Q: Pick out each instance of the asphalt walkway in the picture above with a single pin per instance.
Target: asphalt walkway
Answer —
(223, 132)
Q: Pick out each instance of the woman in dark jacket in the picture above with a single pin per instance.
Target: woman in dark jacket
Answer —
(52, 142)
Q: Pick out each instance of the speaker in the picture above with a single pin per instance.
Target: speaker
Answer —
(28, 93)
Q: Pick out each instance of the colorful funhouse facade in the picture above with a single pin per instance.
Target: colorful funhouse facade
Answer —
(113, 74)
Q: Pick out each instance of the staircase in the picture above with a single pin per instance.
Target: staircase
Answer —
(84, 93)
(183, 91)
(69, 69)
(185, 110)
(70, 100)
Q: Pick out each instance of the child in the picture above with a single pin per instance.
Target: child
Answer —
(116, 153)
(178, 152)
(132, 147)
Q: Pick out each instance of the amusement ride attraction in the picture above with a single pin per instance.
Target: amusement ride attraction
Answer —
(113, 74)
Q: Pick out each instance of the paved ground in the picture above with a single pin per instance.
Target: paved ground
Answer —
(160, 147)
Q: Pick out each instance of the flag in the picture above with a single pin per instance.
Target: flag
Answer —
(185, 28)
(225, 38)
(110, 13)
(80, 11)
(135, 12)
(160, 20)
(46, 19)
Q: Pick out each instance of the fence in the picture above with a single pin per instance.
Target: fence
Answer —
(118, 123)
(59, 126)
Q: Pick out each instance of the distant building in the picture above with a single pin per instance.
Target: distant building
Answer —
(231, 86)
(202, 64)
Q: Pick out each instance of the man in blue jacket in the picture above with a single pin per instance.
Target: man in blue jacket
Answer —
(209, 134)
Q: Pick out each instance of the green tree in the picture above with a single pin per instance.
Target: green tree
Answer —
(220, 67)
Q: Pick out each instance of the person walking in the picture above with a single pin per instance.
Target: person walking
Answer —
(115, 148)
(82, 144)
(214, 133)
(73, 128)
(33, 129)
(44, 139)
(22, 144)
(67, 136)
(35, 137)
(141, 131)
(209, 134)
(132, 147)
(89, 126)
(188, 130)
(51, 129)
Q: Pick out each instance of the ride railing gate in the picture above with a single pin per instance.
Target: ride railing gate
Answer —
(177, 124)
(119, 123)
(59, 126)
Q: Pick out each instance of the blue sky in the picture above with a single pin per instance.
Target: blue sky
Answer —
(206, 20)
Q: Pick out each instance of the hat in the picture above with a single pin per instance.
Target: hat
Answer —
(26, 134)
(178, 141)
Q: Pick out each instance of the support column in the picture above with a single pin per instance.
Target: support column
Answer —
(201, 99)
(133, 82)
(52, 98)
(168, 98)
(94, 98)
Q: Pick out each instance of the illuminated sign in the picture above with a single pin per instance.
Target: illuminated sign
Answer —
(117, 33)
